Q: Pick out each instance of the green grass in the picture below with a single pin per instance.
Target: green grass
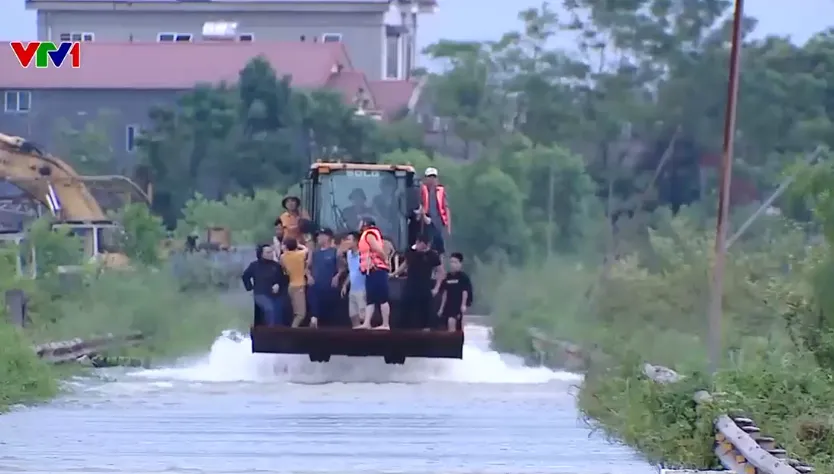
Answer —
(175, 323)
(23, 376)
(657, 315)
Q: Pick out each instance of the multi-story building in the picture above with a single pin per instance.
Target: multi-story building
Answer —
(379, 50)
(147, 52)
(117, 84)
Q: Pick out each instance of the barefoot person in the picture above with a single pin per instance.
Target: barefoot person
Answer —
(374, 264)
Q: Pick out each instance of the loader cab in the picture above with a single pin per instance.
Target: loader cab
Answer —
(338, 195)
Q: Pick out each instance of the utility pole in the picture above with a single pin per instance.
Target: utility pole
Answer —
(717, 280)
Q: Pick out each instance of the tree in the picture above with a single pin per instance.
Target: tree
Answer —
(89, 149)
(259, 133)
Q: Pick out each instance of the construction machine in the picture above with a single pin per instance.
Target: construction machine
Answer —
(337, 196)
(68, 195)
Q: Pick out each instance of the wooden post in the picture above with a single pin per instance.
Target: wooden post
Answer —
(15, 300)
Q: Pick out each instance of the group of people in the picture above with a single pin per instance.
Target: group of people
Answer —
(297, 282)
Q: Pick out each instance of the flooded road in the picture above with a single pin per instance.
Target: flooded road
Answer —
(234, 412)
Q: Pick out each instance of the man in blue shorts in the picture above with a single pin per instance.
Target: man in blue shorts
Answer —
(373, 262)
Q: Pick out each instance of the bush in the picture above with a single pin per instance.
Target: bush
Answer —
(92, 301)
(651, 307)
(23, 376)
(146, 300)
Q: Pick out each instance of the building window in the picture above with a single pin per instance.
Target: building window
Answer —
(392, 57)
(331, 38)
(246, 37)
(17, 101)
(174, 37)
(131, 134)
(436, 125)
(81, 37)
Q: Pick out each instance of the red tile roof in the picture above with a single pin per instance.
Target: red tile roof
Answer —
(154, 65)
(393, 96)
(351, 83)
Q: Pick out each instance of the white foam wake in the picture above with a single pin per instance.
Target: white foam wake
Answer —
(230, 360)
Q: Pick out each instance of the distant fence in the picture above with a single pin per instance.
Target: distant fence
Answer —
(740, 445)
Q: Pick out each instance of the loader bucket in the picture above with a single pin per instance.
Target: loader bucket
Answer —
(395, 345)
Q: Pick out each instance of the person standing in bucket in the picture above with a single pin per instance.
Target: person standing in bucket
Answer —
(267, 282)
(434, 204)
(373, 263)
(354, 286)
(324, 279)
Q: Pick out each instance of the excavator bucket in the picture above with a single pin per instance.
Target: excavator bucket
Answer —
(395, 345)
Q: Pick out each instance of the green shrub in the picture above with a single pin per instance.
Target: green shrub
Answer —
(175, 323)
(23, 376)
(651, 307)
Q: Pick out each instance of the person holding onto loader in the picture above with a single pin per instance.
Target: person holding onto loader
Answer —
(267, 282)
(434, 204)
(373, 263)
(292, 217)
(294, 262)
(421, 261)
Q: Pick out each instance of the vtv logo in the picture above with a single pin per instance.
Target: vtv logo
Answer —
(46, 52)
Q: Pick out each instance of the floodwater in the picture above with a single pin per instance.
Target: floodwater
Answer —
(234, 412)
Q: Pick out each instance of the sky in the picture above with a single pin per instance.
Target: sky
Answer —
(454, 19)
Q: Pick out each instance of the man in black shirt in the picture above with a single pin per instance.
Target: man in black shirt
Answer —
(418, 298)
(456, 294)
(266, 280)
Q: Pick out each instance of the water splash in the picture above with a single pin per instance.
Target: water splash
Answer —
(230, 360)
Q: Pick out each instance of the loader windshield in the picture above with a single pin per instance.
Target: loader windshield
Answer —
(346, 196)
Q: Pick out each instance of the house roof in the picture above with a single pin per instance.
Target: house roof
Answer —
(355, 82)
(155, 65)
(391, 97)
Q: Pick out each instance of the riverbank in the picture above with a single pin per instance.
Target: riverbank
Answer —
(175, 323)
(642, 316)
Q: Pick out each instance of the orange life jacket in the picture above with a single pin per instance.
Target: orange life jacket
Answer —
(440, 195)
(368, 259)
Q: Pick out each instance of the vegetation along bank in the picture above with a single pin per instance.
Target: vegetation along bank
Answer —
(586, 206)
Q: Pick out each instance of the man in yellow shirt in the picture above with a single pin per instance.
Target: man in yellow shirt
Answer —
(294, 261)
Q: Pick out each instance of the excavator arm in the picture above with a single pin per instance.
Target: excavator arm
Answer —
(54, 183)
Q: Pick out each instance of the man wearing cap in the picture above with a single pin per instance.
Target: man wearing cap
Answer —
(435, 206)
(291, 218)
(323, 268)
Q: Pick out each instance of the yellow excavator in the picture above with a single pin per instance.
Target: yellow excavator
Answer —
(69, 196)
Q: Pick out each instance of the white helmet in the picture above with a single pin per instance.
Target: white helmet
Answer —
(430, 172)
